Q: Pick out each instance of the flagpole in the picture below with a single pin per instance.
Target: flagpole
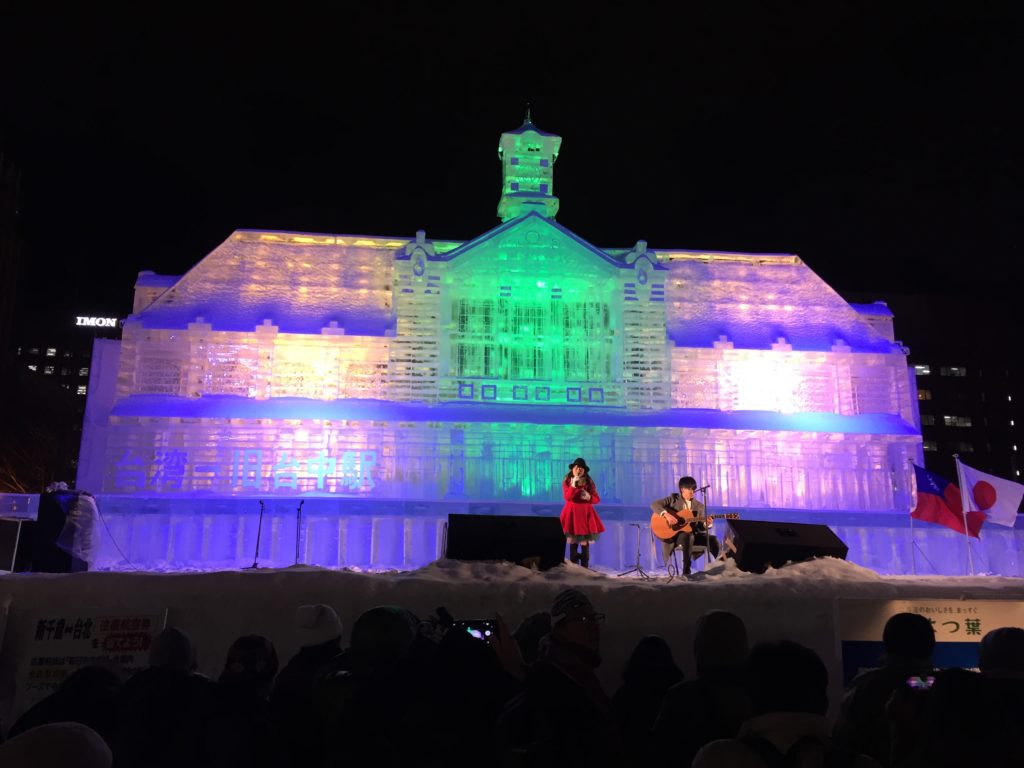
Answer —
(913, 540)
(913, 547)
(963, 510)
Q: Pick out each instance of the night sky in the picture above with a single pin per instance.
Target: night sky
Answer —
(880, 141)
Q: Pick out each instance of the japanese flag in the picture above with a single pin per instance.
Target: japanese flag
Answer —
(997, 498)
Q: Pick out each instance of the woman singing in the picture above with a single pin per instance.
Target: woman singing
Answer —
(579, 518)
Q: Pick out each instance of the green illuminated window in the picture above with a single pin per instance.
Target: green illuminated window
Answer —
(549, 340)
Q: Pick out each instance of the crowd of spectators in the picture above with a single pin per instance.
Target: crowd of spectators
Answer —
(410, 692)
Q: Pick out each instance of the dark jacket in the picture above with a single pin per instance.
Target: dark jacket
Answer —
(563, 717)
(300, 723)
(160, 721)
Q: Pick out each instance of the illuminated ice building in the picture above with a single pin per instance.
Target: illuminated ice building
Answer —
(388, 381)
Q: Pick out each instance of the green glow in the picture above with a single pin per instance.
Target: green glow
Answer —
(533, 309)
(528, 184)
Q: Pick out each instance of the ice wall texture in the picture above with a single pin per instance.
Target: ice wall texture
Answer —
(303, 283)
(290, 364)
(165, 533)
(756, 300)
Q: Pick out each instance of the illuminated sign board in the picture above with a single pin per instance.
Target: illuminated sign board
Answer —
(97, 322)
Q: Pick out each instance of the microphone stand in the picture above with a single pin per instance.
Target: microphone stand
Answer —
(298, 528)
(259, 531)
(637, 569)
(707, 527)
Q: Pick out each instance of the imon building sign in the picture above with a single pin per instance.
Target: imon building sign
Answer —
(96, 322)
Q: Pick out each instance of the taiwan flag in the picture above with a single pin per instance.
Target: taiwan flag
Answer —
(938, 501)
(994, 497)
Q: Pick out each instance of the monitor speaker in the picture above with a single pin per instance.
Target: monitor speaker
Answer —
(758, 544)
(529, 541)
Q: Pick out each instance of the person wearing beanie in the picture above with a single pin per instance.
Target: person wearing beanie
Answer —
(580, 521)
(291, 701)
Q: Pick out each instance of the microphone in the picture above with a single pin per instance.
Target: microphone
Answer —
(704, 488)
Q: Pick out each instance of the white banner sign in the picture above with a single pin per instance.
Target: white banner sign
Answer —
(959, 626)
(60, 644)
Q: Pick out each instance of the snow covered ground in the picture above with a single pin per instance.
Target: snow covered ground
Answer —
(797, 601)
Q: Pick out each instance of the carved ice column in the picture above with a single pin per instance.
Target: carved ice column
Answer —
(414, 359)
(646, 368)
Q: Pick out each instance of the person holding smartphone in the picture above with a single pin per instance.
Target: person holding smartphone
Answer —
(580, 521)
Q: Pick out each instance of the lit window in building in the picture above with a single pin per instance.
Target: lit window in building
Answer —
(1015, 447)
(957, 421)
(83, 371)
(82, 389)
(924, 394)
(48, 370)
(33, 367)
(1012, 424)
(922, 370)
(927, 420)
(931, 445)
(1017, 472)
(51, 351)
(34, 351)
(953, 371)
(1009, 398)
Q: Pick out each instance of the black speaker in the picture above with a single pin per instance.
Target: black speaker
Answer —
(47, 556)
(758, 544)
(519, 539)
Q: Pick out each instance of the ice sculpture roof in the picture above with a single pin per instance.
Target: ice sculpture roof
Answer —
(236, 407)
(532, 217)
(303, 283)
(876, 309)
(755, 302)
(149, 279)
(529, 126)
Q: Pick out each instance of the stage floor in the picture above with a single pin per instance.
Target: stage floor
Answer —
(168, 533)
(801, 601)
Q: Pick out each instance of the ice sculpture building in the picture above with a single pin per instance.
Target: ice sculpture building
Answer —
(407, 370)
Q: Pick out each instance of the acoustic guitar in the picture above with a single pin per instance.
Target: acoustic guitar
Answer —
(660, 526)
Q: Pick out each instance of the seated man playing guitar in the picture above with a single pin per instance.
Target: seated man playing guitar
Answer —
(677, 518)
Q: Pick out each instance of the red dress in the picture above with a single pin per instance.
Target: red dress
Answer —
(579, 518)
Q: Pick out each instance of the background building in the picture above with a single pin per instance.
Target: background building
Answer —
(968, 394)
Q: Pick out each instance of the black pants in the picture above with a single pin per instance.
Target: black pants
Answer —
(685, 541)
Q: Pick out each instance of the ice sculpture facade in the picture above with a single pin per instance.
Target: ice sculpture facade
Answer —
(388, 368)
